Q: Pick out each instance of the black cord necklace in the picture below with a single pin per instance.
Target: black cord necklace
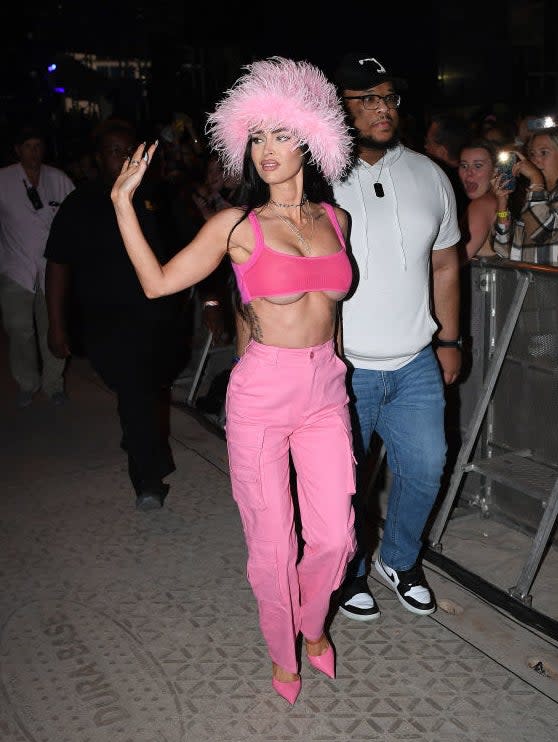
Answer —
(378, 187)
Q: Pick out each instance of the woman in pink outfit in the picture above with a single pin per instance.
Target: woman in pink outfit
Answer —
(281, 130)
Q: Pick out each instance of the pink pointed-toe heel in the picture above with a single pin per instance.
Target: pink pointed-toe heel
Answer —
(324, 662)
(287, 690)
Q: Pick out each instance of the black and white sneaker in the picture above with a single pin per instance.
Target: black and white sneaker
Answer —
(410, 586)
(357, 602)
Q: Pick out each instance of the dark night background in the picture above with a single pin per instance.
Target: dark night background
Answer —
(472, 56)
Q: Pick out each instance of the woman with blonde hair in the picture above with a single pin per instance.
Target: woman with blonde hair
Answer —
(533, 237)
(477, 169)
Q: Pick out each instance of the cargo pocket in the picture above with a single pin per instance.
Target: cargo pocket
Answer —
(263, 573)
(351, 460)
(350, 545)
(244, 445)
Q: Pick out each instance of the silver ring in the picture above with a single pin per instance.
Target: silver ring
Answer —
(134, 162)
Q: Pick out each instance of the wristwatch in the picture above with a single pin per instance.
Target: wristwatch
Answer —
(449, 343)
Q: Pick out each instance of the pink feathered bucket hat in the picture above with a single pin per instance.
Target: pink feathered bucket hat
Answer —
(280, 93)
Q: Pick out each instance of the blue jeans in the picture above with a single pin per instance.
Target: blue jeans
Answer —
(406, 408)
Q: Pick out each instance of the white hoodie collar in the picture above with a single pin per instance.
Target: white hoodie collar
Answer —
(384, 165)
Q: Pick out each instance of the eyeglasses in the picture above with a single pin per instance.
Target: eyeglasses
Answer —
(372, 101)
(33, 196)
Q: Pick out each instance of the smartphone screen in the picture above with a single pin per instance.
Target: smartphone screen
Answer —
(506, 161)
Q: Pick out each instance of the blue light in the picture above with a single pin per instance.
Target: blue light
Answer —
(51, 67)
(59, 90)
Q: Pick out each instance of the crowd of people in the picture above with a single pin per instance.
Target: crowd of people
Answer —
(337, 249)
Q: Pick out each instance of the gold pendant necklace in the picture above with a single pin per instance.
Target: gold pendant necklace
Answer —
(304, 243)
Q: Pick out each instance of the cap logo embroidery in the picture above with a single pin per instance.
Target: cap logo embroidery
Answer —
(379, 67)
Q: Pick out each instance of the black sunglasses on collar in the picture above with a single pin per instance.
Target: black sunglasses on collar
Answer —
(33, 196)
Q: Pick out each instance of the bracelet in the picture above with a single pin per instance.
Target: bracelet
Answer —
(211, 303)
(458, 343)
(503, 214)
(536, 187)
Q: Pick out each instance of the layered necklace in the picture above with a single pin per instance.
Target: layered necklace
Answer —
(305, 245)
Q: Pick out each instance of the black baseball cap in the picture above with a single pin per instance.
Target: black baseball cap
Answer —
(362, 71)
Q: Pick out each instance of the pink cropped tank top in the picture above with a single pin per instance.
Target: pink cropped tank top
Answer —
(269, 272)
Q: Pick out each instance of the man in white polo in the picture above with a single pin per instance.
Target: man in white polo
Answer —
(30, 194)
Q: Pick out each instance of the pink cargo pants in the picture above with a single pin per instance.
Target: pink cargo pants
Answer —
(283, 401)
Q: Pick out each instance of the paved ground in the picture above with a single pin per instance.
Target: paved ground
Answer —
(118, 626)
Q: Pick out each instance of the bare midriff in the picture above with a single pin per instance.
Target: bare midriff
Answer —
(293, 323)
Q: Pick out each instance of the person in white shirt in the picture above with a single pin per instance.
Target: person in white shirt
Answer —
(30, 194)
(404, 231)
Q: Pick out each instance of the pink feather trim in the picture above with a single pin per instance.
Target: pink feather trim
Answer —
(281, 93)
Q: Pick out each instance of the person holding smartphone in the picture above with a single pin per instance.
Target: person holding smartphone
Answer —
(533, 236)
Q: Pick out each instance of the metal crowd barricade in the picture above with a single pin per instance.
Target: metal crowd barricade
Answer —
(507, 463)
(208, 359)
